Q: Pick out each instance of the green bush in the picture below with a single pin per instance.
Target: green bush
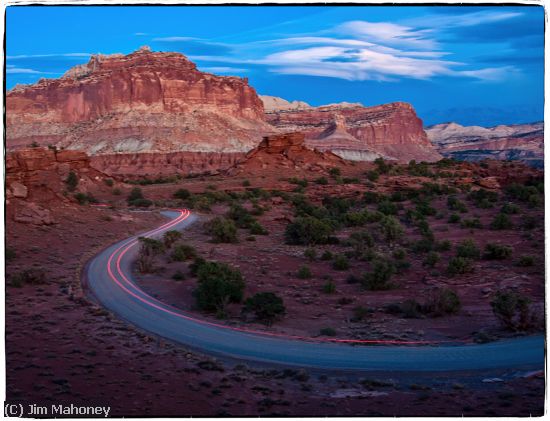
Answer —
(442, 301)
(109, 182)
(308, 231)
(453, 218)
(241, 216)
(310, 254)
(501, 222)
(327, 255)
(329, 287)
(497, 252)
(321, 181)
(218, 285)
(148, 251)
(178, 276)
(454, 204)
(182, 194)
(222, 230)
(509, 208)
(335, 172)
(471, 223)
(380, 276)
(444, 245)
(170, 237)
(327, 331)
(431, 259)
(460, 266)
(340, 262)
(391, 228)
(32, 276)
(246, 183)
(267, 306)
(382, 166)
(388, 208)
(135, 198)
(512, 309)
(371, 197)
(183, 252)
(468, 249)
(257, 229)
(71, 181)
(304, 272)
(526, 261)
(373, 175)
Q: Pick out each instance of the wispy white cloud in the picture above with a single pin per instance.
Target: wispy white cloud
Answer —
(140, 34)
(462, 20)
(21, 70)
(223, 69)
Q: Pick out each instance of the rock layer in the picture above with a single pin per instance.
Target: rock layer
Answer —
(143, 101)
(360, 133)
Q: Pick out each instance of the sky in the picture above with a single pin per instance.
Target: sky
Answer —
(469, 64)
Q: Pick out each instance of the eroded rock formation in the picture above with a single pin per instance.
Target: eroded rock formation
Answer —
(144, 101)
(360, 133)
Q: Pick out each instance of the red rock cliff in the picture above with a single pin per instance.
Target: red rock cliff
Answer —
(360, 133)
(143, 101)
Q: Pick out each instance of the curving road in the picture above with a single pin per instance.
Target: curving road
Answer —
(109, 278)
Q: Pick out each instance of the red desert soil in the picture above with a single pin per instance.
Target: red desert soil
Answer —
(63, 348)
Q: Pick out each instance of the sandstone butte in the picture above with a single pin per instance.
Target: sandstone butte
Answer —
(145, 111)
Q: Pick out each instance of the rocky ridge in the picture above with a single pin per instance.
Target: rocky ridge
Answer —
(143, 101)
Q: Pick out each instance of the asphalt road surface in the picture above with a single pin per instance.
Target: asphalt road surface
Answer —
(109, 278)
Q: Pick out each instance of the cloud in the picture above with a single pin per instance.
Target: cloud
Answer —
(140, 34)
(455, 20)
(491, 74)
(21, 70)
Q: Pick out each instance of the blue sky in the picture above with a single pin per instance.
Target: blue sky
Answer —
(474, 65)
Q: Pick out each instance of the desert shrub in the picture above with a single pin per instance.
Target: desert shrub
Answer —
(183, 252)
(109, 182)
(391, 228)
(84, 198)
(327, 255)
(310, 254)
(388, 208)
(257, 229)
(9, 254)
(460, 266)
(218, 285)
(148, 251)
(117, 191)
(329, 287)
(497, 251)
(359, 313)
(421, 169)
(178, 276)
(299, 182)
(424, 208)
(135, 198)
(431, 259)
(399, 254)
(327, 331)
(529, 222)
(182, 194)
(382, 166)
(197, 263)
(525, 261)
(170, 237)
(71, 181)
(308, 231)
(523, 193)
(379, 278)
(321, 181)
(425, 230)
(371, 197)
(501, 222)
(454, 204)
(471, 223)
(222, 230)
(442, 301)
(509, 208)
(246, 183)
(340, 262)
(357, 219)
(350, 180)
(444, 245)
(241, 216)
(304, 272)
(267, 306)
(423, 245)
(32, 276)
(410, 309)
(335, 172)
(468, 249)
(483, 198)
(373, 175)
(453, 218)
(512, 309)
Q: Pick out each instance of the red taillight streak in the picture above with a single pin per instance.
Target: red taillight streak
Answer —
(149, 301)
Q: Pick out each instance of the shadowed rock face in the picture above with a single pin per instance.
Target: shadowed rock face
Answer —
(524, 142)
(360, 133)
(143, 101)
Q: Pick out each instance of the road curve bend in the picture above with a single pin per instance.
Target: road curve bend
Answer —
(108, 277)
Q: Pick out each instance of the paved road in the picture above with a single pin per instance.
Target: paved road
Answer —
(108, 276)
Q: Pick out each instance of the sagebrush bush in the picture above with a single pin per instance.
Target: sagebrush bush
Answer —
(379, 278)
(183, 252)
(495, 251)
(267, 306)
(525, 261)
(460, 266)
(308, 231)
(304, 272)
(222, 230)
(340, 262)
(501, 222)
(512, 309)
(468, 249)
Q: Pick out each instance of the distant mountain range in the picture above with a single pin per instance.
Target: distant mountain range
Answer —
(523, 142)
(483, 116)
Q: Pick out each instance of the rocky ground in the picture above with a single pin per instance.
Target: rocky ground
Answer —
(63, 348)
